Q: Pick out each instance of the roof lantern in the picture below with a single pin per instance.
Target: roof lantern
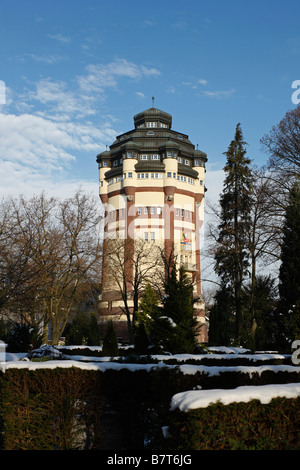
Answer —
(153, 115)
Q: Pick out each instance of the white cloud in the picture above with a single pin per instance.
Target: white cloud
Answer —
(20, 179)
(35, 151)
(48, 91)
(181, 24)
(42, 142)
(219, 94)
(60, 100)
(140, 94)
(100, 76)
(149, 22)
(44, 130)
(46, 58)
(194, 84)
(60, 38)
(32, 141)
(171, 89)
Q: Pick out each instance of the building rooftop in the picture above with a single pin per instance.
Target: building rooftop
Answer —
(152, 133)
(152, 115)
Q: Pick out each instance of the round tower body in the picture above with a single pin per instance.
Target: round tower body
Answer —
(152, 188)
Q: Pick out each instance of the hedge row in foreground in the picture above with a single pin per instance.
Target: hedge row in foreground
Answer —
(49, 409)
(74, 408)
(237, 426)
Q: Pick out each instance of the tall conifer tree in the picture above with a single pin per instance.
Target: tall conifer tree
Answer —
(175, 327)
(231, 256)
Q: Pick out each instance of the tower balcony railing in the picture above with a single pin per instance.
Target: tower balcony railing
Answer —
(190, 267)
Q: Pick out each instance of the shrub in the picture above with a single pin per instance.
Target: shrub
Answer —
(110, 343)
(71, 408)
(84, 329)
(141, 341)
(23, 338)
(238, 426)
(49, 409)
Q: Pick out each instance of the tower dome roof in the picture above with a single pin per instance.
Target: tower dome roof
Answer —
(103, 155)
(153, 114)
(200, 154)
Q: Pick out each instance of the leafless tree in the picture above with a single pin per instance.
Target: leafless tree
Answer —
(63, 254)
(16, 271)
(283, 146)
(264, 236)
(266, 228)
(129, 266)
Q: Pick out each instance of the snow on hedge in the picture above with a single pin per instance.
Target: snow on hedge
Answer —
(195, 399)
(15, 361)
(64, 364)
(52, 357)
(179, 358)
(185, 400)
(199, 357)
(190, 369)
(228, 350)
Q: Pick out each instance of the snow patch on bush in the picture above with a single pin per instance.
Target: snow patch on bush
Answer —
(194, 399)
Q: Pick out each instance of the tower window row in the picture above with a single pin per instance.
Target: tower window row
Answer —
(147, 238)
(155, 156)
(153, 124)
(120, 213)
(152, 210)
(146, 175)
(182, 178)
(149, 210)
(118, 162)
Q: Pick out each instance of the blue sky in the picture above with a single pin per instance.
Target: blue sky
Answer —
(76, 72)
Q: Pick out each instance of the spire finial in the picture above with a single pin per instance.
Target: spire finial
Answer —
(153, 101)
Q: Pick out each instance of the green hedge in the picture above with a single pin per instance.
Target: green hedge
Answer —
(50, 409)
(228, 378)
(73, 408)
(237, 426)
(226, 360)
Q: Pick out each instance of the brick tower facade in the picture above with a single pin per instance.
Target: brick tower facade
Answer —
(152, 189)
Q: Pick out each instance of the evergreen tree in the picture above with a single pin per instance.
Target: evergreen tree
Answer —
(231, 255)
(78, 331)
(260, 332)
(147, 313)
(110, 343)
(175, 329)
(148, 308)
(221, 319)
(3, 330)
(23, 338)
(141, 340)
(94, 331)
(289, 274)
